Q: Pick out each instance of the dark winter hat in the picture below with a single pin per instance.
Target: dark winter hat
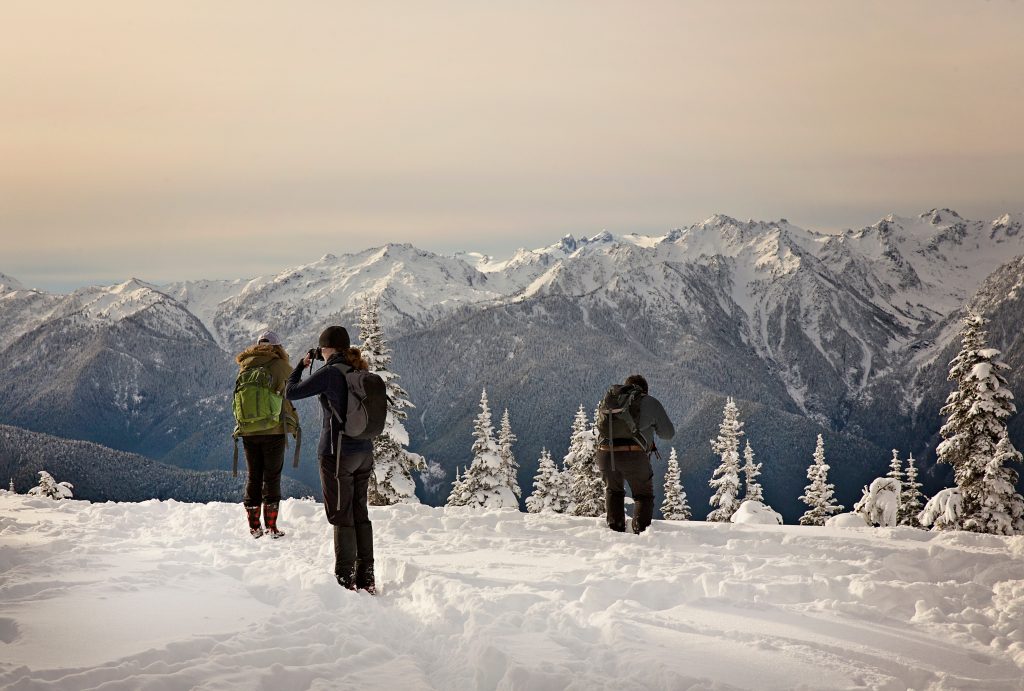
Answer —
(334, 337)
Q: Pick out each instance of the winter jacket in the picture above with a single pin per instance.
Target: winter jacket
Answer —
(263, 355)
(651, 419)
(328, 383)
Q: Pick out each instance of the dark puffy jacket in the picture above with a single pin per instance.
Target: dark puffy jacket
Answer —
(328, 383)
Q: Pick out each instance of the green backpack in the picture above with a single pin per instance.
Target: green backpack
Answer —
(256, 405)
(259, 408)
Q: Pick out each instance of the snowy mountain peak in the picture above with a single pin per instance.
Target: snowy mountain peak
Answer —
(941, 216)
(9, 284)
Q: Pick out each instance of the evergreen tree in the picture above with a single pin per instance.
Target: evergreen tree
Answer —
(548, 493)
(393, 464)
(944, 511)
(911, 497)
(976, 414)
(586, 487)
(726, 478)
(751, 471)
(49, 487)
(505, 441)
(484, 484)
(458, 496)
(896, 467)
(819, 494)
(10, 487)
(675, 507)
(1002, 507)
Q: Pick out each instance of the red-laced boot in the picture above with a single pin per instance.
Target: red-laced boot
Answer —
(270, 518)
(253, 514)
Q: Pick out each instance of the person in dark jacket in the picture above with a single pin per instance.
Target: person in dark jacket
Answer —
(346, 476)
(632, 462)
(264, 451)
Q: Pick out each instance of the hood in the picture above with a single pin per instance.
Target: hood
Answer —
(258, 355)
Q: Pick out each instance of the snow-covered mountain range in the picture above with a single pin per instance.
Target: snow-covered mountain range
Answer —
(810, 329)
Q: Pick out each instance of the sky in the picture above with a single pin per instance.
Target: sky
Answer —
(171, 141)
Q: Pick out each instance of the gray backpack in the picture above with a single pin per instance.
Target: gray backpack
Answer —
(367, 404)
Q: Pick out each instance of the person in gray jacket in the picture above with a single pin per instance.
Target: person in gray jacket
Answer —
(624, 456)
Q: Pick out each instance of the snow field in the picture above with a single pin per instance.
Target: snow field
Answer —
(165, 595)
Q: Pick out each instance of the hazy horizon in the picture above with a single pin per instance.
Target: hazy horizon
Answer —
(232, 140)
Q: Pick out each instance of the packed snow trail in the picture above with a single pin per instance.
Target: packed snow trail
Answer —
(166, 595)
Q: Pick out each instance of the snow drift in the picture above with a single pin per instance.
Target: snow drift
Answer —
(170, 595)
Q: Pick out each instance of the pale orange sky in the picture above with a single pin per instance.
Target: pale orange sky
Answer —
(227, 139)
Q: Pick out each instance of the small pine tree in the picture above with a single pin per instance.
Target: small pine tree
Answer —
(1002, 507)
(675, 507)
(976, 414)
(944, 511)
(458, 496)
(751, 471)
(48, 487)
(586, 486)
(911, 498)
(548, 494)
(819, 494)
(393, 464)
(726, 478)
(10, 487)
(484, 483)
(896, 467)
(506, 438)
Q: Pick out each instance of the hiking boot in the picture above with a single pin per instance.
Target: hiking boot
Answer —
(345, 556)
(364, 560)
(364, 577)
(253, 514)
(270, 518)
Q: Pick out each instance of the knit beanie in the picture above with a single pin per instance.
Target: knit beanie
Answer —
(334, 337)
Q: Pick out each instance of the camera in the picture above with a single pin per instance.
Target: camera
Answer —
(315, 353)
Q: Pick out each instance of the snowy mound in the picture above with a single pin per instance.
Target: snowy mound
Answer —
(174, 596)
(756, 513)
(846, 520)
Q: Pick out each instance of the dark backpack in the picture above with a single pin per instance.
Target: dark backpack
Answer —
(367, 404)
(617, 415)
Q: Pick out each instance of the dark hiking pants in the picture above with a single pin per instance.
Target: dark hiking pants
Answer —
(345, 486)
(264, 459)
(635, 468)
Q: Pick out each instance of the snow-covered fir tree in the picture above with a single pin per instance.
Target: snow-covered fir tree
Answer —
(751, 471)
(484, 484)
(393, 464)
(819, 495)
(896, 467)
(49, 487)
(506, 438)
(976, 414)
(458, 496)
(1002, 507)
(548, 490)
(911, 497)
(586, 486)
(880, 503)
(726, 478)
(10, 487)
(675, 507)
(944, 511)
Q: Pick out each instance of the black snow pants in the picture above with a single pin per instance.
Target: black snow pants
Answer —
(635, 468)
(264, 459)
(345, 485)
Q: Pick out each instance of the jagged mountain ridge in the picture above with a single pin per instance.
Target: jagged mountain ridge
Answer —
(814, 320)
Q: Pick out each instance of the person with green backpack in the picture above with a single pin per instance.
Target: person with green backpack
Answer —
(628, 418)
(263, 420)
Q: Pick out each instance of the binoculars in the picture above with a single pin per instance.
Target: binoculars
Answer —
(315, 353)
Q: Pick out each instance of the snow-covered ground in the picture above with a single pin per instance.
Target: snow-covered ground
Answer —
(165, 595)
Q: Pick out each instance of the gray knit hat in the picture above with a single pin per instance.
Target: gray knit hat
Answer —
(270, 337)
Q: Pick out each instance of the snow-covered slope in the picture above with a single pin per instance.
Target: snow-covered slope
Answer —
(171, 595)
